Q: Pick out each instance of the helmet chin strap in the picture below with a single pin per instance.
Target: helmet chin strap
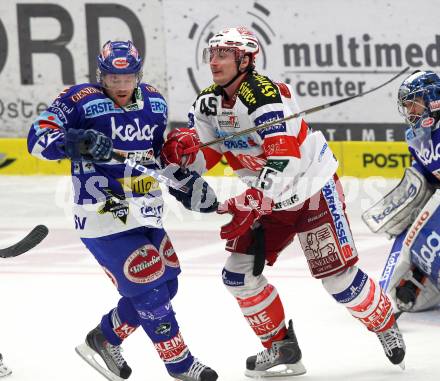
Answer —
(233, 79)
(248, 69)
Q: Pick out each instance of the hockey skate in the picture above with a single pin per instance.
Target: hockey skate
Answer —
(281, 360)
(393, 345)
(4, 370)
(98, 348)
(196, 372)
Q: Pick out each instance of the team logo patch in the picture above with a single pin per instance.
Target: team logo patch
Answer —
(168, 253)
(118, 208)
(144, 265)
(321, 248)
(427, 122)
(163, 329)
(120, 63)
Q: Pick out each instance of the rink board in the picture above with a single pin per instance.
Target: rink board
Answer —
(358, 159)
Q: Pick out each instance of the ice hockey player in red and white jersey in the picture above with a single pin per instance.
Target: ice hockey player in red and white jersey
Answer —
(292, 190)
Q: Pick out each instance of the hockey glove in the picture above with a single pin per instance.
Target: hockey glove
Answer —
(177, 141)
(200, 196)
(87, 145)
(246, 209)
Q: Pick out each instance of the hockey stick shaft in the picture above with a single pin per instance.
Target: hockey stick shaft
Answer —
(30, 241)
(293, 116)
(160, 177)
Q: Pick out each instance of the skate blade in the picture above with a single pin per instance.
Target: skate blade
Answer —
(88, 355)
(402, 365)
(4, 371)
(284, 370)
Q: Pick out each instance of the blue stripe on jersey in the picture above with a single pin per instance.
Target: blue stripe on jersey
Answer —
(269, 117)
(354, 289)
(232, 279)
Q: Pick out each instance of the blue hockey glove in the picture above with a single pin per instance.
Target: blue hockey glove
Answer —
(200, 196)
(88, 145)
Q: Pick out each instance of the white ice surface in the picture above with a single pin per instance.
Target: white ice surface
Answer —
(53, 295)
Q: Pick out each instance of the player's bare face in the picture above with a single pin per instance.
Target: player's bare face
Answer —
(414, 109)
(223, 65)
(120, 87)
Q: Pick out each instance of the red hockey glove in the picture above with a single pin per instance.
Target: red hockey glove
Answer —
(177, 141)
(245, 209)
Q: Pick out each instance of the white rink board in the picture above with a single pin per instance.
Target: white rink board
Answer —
(325, 50)
(53, 295)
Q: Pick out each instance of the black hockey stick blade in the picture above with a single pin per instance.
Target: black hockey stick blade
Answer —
(296, 115)
(37, 234)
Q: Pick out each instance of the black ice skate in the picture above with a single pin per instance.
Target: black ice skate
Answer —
(285, 355)
(393, 345)
(4, 370)
(196, 372)
(97, 347)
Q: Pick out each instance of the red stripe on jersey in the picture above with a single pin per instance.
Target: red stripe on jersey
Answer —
(48, 124)
(257, 299)
(284, 145)
(368, 301)
(233, 161)
(302, 132)
(212, 157)
(284, 90)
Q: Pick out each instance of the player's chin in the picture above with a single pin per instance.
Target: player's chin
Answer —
(219, 79)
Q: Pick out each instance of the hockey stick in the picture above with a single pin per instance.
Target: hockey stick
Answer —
(37, 234)
(161, 176)
(296, 115)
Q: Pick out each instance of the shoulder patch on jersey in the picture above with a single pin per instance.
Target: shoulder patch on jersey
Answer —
(151, 89)
(266, 86)
(85, 92)
(258, 90)
(210, 89)
(64, 92)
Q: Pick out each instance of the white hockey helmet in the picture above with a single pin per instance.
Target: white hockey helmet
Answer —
(239, 39)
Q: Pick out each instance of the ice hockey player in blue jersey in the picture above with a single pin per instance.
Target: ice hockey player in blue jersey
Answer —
(411, 211)
(118, 212)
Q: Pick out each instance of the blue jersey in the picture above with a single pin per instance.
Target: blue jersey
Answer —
(107, 197)
(427, 158)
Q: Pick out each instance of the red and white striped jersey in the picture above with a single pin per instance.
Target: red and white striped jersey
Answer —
(288, 161)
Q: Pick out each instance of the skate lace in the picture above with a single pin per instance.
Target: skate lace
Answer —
(391, 339)
(267, 356)
(196, 369)
(115, 353)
